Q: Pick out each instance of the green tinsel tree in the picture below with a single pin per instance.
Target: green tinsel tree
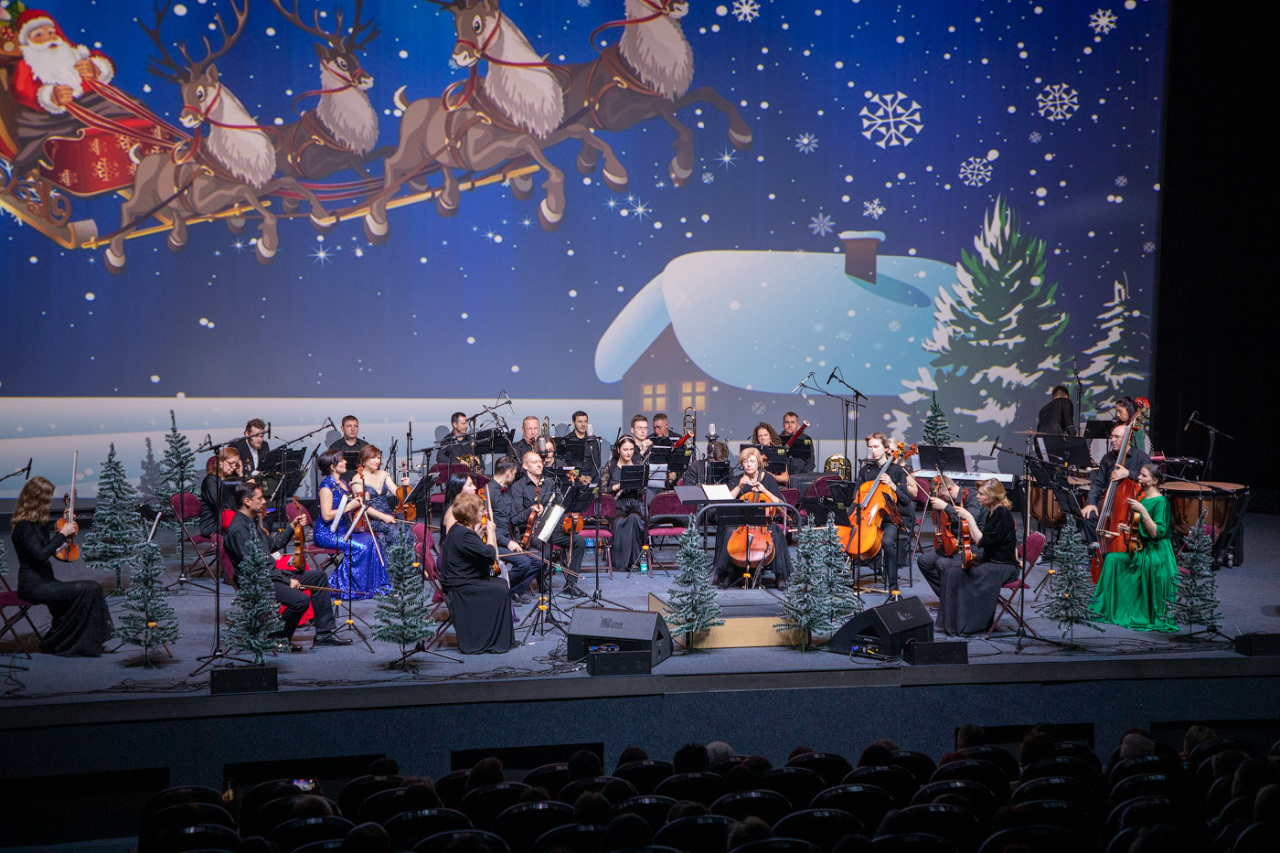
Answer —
(151, 478)
(693, 601)
(177, 471)
(404, 611)
(148, 619)
(1070, 587)
(936, 431)
(837, 575)
(255, 617)
(807, 605)
(1197, 602)
(4, 564)
(117, 529)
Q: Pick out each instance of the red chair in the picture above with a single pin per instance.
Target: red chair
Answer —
(10, 599)
(602, 513)
(425, 549)
(440, 474)
(667, 520)
(186, 508)
(1032, 549)
(792, 496)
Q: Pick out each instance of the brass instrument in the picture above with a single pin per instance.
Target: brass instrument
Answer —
(690, 423)
(838, 464)
(544, 437)
(474, 464)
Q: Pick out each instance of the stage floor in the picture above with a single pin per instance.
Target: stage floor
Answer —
(354, 677)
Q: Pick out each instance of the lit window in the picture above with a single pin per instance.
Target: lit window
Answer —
(653, 397)
(693, 394)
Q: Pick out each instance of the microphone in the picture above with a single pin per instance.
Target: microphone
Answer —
(1191, 420)
(591, 432)
(832, 377)
(801, 383)
(711, 432)
(994, 445)
(268, 429)
(28, 474)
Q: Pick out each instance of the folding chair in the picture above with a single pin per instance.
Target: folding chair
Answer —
(186, 508)
(441, 472)
(425, 550)
(1033, 547)
(9, 598)
(602, 513)
(667, 516)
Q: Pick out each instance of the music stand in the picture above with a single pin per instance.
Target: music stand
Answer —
(941, 458)
(739, 514)
(543, 614)
(1054, 478)
(659, 465)
(1072, 450)
(1097, 429)
(801, 450)
(285, 464)
(718, 472)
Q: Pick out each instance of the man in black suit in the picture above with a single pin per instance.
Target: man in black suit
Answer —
(1058, 415)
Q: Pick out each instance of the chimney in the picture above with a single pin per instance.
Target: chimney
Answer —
(860, 253)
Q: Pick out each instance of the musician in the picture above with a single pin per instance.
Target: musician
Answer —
(287, 584)
(933, 563)
(895, 476)
(967, 599)
(1109, 470)
(81, 621)
(529, 496)
(218, 492)
(350, 445)
(662, 430)
(530, 429)
(523, 566)
(590, 467)
(1126, 408)
(1057, 417)
(479, 601)
(696, 474)
(797, 465)
(253, 447)
(766, 436)
(1134, 589)
(754, 479)
(640, 432)
(379, 490)
(363, 570)
(628, 519)
(459, 442)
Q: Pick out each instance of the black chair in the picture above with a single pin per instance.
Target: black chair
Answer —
(981, 801)
(1150, 784)
(553, 777)
(452, 787)
(382, 806)
(298, 832)
(649, 848)
(703, 788)
(645, 775)
(524, 823)
(776, 845)
(977, 770)
(1219, 794)
(176, 796)
(1082, 751)
(997, 755)
(695, 834)
(1062, 765)
(798, 784)
(1204, 751)
(408, 828)
(355, 792)
(181, 815)
(438, 842)
(484, 804)
(912, 842)
(868, 803)
(830, 766)
(1061, 788)
(1043, 839)
(321, 846)
(1240, 808)
(619, 789)
(1121, 841)
(769, 806)
(1260, 837)
(1144, 764)
(917, 764)
(272, 814)
(900, 784)
(821, 827)
(1144, 811)
(651, 807)
(1061, 813)
(185, 839)
(574, 837)
(261, 794)
(954, 823)
(724, 765)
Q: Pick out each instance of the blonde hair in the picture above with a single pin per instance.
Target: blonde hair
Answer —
(994, 489)
(466, 509)
(33, 502)
(751, 451)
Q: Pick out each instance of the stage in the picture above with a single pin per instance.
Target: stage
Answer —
(118, 724)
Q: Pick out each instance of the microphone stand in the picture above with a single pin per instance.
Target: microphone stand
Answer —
(26, 471)
(218, 652)
(1079, 412)
(850, 404)
(1214, 432)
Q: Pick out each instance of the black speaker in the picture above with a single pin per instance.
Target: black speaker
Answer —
(1258, 643)
(920, 653)
(619, 663)
(245, 679)
(593, 630)
(884, 630)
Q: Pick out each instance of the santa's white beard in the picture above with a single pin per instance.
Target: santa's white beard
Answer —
(54, 62)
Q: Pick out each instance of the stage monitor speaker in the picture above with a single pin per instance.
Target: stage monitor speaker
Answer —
(1258, 643)
(247, 679)
(595, 630)
(884, 630)
(920, 653)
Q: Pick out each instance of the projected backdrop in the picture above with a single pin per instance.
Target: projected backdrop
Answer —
(699, 206)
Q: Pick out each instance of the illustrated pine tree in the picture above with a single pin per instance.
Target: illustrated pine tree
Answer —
(151, 478)
(936, 430)
(117, 529)
(177, 471)
(1197, 599)
(404, 610)
(254, 624)
(693, 600)
(1070, 587)
(1122, 345)
(147, 620)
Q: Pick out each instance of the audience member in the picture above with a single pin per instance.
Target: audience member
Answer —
(1195, 736)
(1252, 776)
(488, 771)
(1134, 745)
(630, 754)
(1035, 746)
(592, 808)
(750, 829)
(626, 831)
(718, 750)
(691, 758)
(686, 808)
(970, 734)
(367, 838)
(875, 755)
(798, 751)
(585, 764)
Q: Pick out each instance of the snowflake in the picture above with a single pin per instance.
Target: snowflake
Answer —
(1148, 247)
(975, 171)
(746, 11)
(895, 326)
(806, 143)
(708, 177)
(584, 3)
(874, 208)
(896, 122)
(1058, 102)
(1102, 21)
(1122, 181)
(821, 225)
(1035, 137)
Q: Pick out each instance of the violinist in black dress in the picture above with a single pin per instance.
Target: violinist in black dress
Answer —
(628, 518)
(479, 601)
(967, 599)
(218, 492)
(81, 621)
(754, 479)
(933, 563)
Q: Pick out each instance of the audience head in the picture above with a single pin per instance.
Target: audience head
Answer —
(421, 794)
(592, 808)
(537, 794)
(686, 808)
(718, 750)
(585, 764)
(750, 829)
(367, 838)
(970, 734)
(875, 755)
(632, 753)
(1226, 762)
(691, 758)
(800, 750)
(1134, 745)
(309, 805)
(488, 771)
(1195, 736)
(1035, 747)
(1266, 805)
(625, 831)
(1251, 776)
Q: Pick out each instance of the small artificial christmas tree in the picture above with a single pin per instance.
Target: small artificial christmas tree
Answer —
(254, 624)
(1197, 602)
(117, 529)
(1070, 586)
(151, 478)
(837, 575)
(694, 601)
(177, 471)
(404, 612)
(148, 619)
(806, 607)
(936, 431)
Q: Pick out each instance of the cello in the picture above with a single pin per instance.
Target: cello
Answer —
(69, 551)
(750, 544)
(876, 501)
(1114, 511)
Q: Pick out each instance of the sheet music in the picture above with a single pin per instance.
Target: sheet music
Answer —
(658, 476)
(717, 492)
(550, 520)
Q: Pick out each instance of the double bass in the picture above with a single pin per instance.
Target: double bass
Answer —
(876, 501)
(1114, 511)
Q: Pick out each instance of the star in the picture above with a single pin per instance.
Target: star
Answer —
(727, 158)
(321, 255)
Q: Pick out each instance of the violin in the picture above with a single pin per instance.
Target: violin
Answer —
(69, 551)
(299, 561)
(751, 545)
(876, 502)
(484, 522)
(944, 537)
(1114, 511)
(405, 509)
(362, 518)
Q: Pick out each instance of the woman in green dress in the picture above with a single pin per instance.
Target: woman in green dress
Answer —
(1134, 590)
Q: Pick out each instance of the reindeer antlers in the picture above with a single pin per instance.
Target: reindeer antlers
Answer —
(351, 41)
(157, 65)
(176, 72)
(228, 39)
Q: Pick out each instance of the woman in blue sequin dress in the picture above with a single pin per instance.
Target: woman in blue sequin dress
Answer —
(363, 570)
(380, 494)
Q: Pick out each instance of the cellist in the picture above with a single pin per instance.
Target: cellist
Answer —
(895, 476)
(934, 562)
(754, 480)
(1108, 470)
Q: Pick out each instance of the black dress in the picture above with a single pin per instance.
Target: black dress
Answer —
(628, 519)
(81, 620)
(479, 602)
(726, 571)
(967, 600)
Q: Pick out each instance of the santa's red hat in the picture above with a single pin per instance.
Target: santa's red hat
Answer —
(29, 19)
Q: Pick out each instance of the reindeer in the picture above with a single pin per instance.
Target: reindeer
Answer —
(236, 164)
(341, 131)
(646, 75)
(516, 110)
